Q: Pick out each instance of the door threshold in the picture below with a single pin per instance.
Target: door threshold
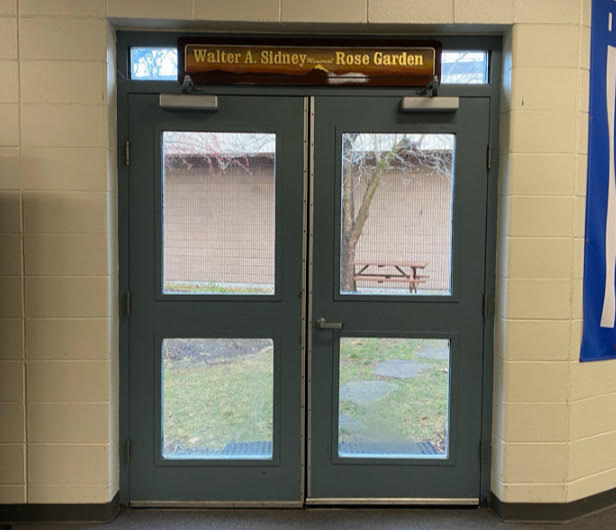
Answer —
(384, 501)
(216, 504)
(313, 501)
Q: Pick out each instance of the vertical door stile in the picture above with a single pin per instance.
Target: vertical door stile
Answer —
(304, 294)
(311, 132)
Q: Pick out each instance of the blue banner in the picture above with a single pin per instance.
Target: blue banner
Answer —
(599, 334)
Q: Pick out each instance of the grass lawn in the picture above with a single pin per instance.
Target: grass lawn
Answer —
(207, 405)
(415, 411)
(172, 287)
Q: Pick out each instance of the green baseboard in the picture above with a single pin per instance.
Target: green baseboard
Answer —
(551, 511)
(100, 513)
(507, 511)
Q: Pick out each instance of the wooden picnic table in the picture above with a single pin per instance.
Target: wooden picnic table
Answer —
(404, 272)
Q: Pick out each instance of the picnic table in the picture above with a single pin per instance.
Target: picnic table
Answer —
(395, 272)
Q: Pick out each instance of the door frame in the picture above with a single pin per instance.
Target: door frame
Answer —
(126, 86)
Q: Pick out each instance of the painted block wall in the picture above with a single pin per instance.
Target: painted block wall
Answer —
(554, 422)
(554, 417)
(58, 379)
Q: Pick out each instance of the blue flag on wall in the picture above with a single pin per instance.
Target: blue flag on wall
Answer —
(599, 335)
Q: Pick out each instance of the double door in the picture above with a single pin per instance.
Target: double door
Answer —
(306, 279)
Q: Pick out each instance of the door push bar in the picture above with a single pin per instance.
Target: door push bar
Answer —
(210, 102)
(188, 101)
(322, 323)
(424, 104)
(429, 101)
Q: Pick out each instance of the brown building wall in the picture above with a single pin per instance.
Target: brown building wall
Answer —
(410, 220)
(220, 227)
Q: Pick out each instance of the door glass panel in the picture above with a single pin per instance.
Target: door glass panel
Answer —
(218, 213)
(154, 63)
(217, 398)
(393, 398)
(396, 214)
(464, 67)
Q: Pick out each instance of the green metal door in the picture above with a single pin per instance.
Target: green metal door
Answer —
(394, 228)
(398, 257)
(216, 332)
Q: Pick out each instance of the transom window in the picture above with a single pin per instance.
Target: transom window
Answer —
(159, 63)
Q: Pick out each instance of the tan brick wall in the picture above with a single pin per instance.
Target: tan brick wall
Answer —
(59, 267)
(547, 434)
(219, 225)
(58, 319)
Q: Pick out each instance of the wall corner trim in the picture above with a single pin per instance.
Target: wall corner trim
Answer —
(91, 513)
(560, 512)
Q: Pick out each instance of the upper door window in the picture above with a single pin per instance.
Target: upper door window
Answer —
(396, 214)
(218, 213)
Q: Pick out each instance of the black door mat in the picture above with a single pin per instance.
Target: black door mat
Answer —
(381, 449)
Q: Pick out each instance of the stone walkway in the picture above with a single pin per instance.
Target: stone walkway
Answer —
(365, 392)
(368, 392)
(399, 369)
(435, 354)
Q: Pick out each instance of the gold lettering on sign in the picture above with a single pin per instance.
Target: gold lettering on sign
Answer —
(217, 56)
(413, 66)
(279, 57)
(356, 59)
(398, 59)
(199, 54)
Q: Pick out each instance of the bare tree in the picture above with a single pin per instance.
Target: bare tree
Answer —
(152, 63)
(219, 150)
(366, 158)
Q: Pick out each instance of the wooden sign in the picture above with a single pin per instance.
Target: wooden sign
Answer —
(279, 63)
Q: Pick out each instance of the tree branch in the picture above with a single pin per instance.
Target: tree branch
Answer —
(348, 202)
(373, 184)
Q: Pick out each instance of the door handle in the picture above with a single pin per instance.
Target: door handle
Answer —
(322, 323)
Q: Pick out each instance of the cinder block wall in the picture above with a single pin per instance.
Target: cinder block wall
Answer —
(58, 346)
(554, 418)
(554, 421)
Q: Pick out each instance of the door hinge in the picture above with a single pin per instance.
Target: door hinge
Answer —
(127, 451)
(127, 303)
(489, 156)
(127, 153)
